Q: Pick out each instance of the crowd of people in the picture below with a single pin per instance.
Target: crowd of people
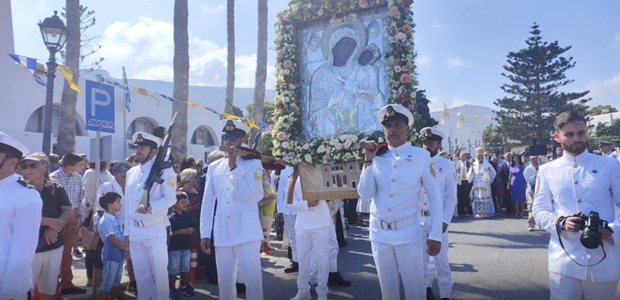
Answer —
(226, 209)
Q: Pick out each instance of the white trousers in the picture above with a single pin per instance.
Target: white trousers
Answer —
(569, 288)
(289, 225)
(150, 265)
(313, 252)
(439, 265)
(333, 248)
(246, 257)
(405, 259)
(45, 270)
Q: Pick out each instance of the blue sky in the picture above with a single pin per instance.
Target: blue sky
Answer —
(461, 45)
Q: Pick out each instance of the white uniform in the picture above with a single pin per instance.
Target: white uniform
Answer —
(288, 212)
(394, 181)
(19, 213)
(312, 231)
(147, 232)
(446, 182)
(569, 184)
(530, 179)
(237, 231)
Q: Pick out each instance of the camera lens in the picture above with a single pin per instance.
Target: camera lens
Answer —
(590, 239)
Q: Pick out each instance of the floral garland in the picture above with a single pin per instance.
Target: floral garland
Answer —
(287, 145)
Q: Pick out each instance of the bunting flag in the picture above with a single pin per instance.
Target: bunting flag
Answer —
(29, 64)
(126, 93)
(144, 92)
(193, 104)
(229, 116)
(67, 73)
(252, 124)
(264, 126)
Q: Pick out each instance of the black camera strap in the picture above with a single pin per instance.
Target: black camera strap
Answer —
(558, 225)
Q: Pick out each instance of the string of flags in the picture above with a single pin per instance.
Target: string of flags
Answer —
(68, 73)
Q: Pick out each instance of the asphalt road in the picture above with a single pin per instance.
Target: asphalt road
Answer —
(495, 258)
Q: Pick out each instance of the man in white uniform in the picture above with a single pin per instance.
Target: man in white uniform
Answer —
(312, 232)
(606, 148)
(579, 182)
(20, 214)
(393, 180)
(289, 214)
(145, 229)
(445, 176)
(236, 183)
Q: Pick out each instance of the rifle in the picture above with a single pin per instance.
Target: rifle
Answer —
(159, 165)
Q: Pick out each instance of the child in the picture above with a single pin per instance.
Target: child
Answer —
(111, 233)
(181, 226)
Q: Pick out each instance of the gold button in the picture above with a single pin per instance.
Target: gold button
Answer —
(578, 200)
(395, 166)
(229, 216)
(396, 154)
(139, 189)
(393, 180)
(576, 182)
(389, 209)
(391, 195)
(227, 202)
(574, 165)
(228, 189)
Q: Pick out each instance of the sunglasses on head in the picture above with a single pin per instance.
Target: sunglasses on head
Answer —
(33, 165)
(227, 137)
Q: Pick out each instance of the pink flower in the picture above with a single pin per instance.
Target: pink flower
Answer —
(393, 11)
(407, 29)
(405, 78)
(281, 136)
(363, 3)
(287, 64)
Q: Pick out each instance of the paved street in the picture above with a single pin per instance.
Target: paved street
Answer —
(493, 258)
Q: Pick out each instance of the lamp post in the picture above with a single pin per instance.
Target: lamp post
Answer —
(54, 34)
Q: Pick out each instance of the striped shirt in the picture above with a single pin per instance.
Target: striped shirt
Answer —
(73, 186)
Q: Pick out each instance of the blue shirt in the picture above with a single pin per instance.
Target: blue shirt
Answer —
(111, 225)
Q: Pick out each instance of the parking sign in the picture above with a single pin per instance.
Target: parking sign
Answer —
(99, 106)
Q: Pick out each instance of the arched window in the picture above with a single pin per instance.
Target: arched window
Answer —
(35, 121)
(141, 124)
(203, 135)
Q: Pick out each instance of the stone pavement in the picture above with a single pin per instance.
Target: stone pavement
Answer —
(495, 258)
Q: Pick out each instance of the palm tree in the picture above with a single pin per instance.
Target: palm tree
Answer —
(261, 66)
(230, 77)
(66, 126)
(181, 80)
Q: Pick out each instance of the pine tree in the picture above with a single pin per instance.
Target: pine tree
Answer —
(421, 115)
(536, 74)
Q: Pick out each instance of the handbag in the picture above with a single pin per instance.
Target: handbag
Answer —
(90, 238)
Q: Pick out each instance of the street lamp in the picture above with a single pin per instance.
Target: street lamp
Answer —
(54, 34)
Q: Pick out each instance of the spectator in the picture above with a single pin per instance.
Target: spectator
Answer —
(266, 210)
(71, 181)
(54, 162)
(530, 174)
(179, 250)
(517, 185)
(85, 165)
(188, 162)
(497, 185)
(111, 232)
(132, 160)
(56, 213)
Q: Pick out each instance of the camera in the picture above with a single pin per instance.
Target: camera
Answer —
(589, 226)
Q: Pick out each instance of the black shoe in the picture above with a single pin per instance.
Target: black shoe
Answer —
(294, 268)
(132, 288)
(429, 294)
(240, 288)
(77, 253)
(336, 278)
(445, 298)
(74, 290)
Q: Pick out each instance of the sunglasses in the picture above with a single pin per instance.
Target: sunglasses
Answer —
(227, 137)
(25, 166)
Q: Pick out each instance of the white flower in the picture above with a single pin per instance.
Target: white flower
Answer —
(348, 144)
(308, 158)
(397, 69)
(338, 146)
(321, 149)
(380, 139)
(285, 145)
(348, 156)
(401, 35)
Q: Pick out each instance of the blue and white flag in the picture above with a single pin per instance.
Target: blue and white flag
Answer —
(126, 91)
(30, 64)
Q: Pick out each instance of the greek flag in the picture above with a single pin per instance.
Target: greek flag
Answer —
(30, 64)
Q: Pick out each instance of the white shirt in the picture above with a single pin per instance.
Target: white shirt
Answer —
(113, 186)
(237, 193)
(530, 178)
(585, 183)
(20, 216)
(394, 181)
(309, 218)
(461, 166)
(281, 204)
(163, 196)
(445, 177)
(90, 185)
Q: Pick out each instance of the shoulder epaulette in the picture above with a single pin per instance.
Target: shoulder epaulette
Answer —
(24, 183)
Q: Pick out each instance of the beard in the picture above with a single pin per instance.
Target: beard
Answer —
(575, 148)
(433, 153)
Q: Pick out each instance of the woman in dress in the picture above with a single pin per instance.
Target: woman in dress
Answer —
(516, 184)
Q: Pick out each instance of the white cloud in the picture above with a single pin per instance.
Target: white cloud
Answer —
(606, 91)
(435, 104)
(438, 25)
(457, 63)
(146, 48)
(617, 37)
(457, 101)
(212, 10)
(424, 60)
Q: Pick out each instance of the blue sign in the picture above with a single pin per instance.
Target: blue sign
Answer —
(99, 106)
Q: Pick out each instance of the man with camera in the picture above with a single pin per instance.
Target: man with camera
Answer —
(584, 256)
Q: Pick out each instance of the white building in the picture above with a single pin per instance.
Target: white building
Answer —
(604, 119)
(22, 101)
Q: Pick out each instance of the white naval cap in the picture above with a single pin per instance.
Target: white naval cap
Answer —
(231, 126)
(11, 145)
(145, 139)
(431, 134)
(395, 112)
